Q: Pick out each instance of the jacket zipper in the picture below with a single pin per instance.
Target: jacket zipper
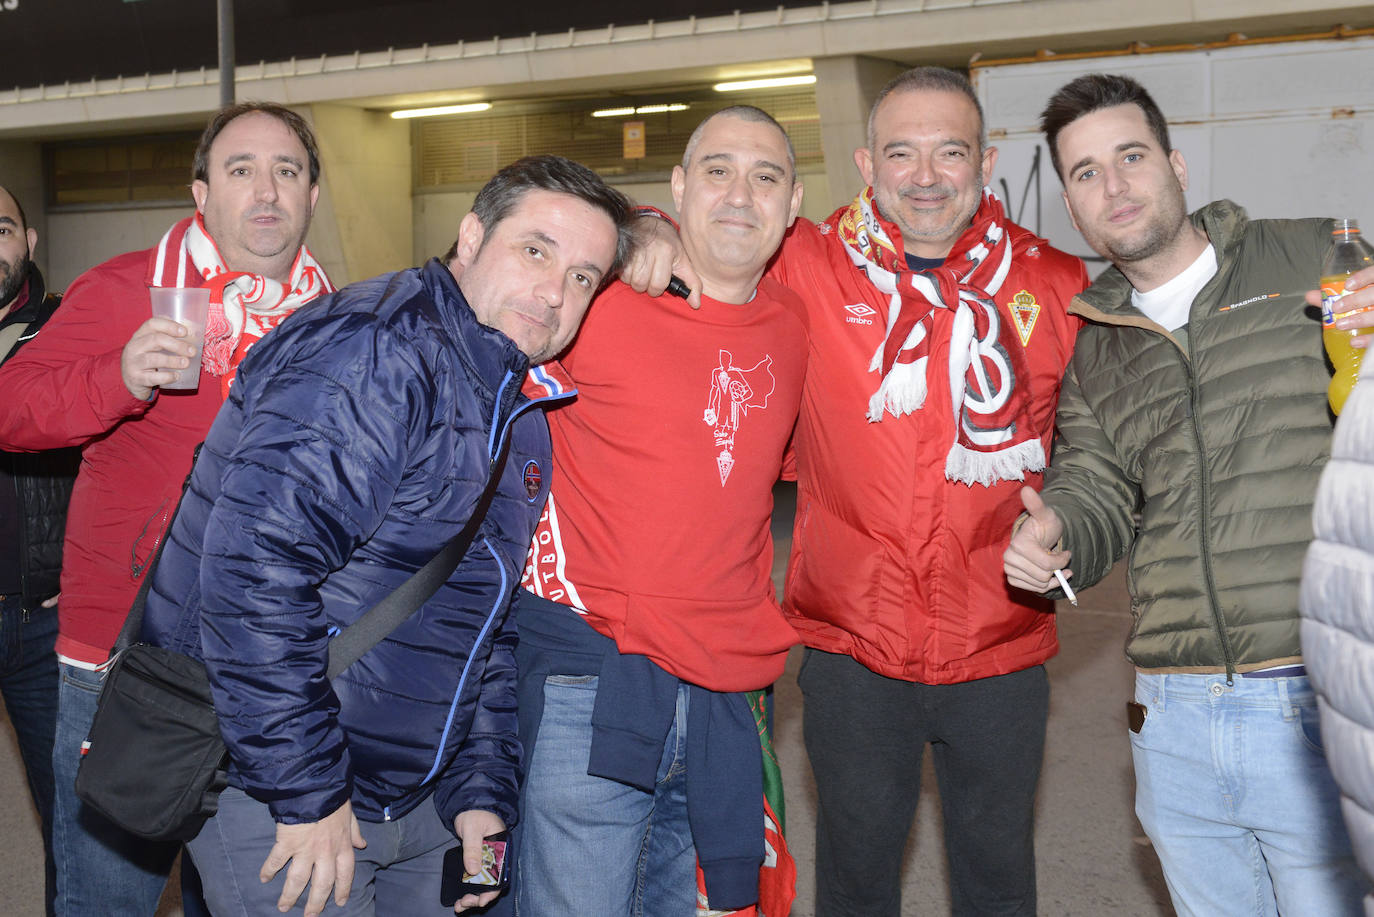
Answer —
(496, 441)
(1205, 480)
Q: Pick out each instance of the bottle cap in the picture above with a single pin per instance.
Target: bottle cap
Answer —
(1344, 226)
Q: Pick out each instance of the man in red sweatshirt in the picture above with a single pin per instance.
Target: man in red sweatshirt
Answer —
(651, 608)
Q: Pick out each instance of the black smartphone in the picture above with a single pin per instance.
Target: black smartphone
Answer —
(457, 881)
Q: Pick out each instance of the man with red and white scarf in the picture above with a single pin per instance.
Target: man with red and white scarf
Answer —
(939, 335)
(91, 380)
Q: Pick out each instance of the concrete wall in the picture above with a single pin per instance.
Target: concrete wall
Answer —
(78, 240)
(363, 222)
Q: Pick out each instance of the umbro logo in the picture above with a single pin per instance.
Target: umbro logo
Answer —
(860, 314)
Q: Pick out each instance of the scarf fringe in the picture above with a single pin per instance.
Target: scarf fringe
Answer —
(903, 391)
(965, 466)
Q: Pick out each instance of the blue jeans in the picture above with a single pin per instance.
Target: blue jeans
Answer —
(101, 868)
(595, 846)
(28, 681)
(1233, 789)
(397, 873)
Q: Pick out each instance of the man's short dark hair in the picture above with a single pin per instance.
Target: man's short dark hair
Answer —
(1093, 92)
(200, 166)
(744, 113)
(500, 196)
(928, 79)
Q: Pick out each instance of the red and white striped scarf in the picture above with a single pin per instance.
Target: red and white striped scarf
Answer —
(987, 376)
(243, 306)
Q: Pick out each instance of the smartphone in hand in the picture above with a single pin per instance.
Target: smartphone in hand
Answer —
(457, 881)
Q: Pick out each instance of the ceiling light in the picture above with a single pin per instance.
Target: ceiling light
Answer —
(769, 83)
(441, 110)
(641, 110)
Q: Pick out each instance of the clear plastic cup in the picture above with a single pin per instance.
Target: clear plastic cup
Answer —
(190, 306)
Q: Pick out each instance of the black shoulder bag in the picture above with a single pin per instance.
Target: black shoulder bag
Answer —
(154, 762)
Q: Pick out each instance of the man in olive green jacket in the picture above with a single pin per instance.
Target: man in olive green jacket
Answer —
(1196, 399)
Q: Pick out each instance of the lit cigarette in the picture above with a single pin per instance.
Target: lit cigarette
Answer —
(1064, 584)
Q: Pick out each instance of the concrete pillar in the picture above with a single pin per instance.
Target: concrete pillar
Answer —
(363, 223)
(21, 173)
(845, 89)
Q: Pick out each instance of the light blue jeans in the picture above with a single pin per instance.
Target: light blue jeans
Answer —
(1233, 789)
(595, 846)
(101, 868)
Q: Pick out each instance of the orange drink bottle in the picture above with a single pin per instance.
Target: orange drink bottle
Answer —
(1349, 252)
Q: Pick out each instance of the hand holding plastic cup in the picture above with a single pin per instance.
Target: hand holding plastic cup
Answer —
(189, 306)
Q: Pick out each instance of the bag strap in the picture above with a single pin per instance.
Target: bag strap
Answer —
(349, 644)
(381, 619)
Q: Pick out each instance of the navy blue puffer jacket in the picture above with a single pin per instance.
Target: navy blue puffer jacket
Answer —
(355, 442)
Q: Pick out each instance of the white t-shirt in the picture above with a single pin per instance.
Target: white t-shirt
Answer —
(1168, 304)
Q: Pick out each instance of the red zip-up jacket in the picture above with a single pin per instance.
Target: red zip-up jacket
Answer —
(65, 389)
(891, 563)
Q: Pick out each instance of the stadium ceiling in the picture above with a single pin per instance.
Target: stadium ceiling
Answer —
(75, 40)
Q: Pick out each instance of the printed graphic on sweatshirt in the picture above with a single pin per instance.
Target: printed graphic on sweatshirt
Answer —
(734, 391)
(545, 573)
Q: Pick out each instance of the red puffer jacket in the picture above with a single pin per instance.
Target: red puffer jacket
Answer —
(891, 563)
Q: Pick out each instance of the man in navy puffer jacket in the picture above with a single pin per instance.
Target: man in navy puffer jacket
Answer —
(355, 443)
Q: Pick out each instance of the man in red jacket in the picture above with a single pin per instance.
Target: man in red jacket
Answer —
(939, 334)
(91, 380)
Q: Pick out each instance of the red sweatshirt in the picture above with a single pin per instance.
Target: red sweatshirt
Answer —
(657, 528)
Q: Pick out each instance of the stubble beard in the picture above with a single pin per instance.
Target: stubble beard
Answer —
(948, 232)
(18, 271)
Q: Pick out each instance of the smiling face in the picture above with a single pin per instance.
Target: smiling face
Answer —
(16, 247)
(735, 199)
(1123, 191)
(257, 199)
(533, 275)
(927, 167)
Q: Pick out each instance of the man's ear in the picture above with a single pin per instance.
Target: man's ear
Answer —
(796, 201)
(200, 190)
(1180, 168)
(1069, 209)
(31, 235)
(678, 184)
(863, 158)
(989, 163)
(470, 235)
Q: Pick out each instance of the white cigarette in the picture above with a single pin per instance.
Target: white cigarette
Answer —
(1064, 584)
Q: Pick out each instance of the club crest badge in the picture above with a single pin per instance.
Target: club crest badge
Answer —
(1024, 311)
(534, 480)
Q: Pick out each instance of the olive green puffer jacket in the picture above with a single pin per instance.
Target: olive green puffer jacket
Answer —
(1217, 443)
